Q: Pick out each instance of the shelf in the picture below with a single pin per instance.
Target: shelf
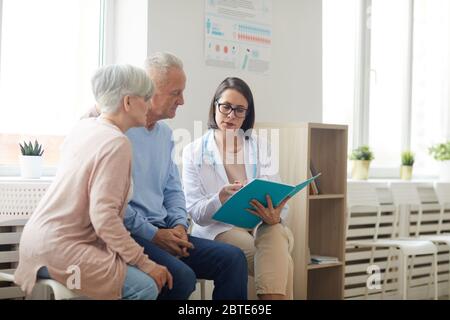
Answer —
(320, 223)
(326, 196)
(323, 266)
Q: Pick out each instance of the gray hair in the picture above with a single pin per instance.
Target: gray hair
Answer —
(161, 62)
(110, 84)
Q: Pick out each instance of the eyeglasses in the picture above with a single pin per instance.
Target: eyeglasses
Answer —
(227, 108)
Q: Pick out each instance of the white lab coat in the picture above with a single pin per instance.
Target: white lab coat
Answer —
(204, 176)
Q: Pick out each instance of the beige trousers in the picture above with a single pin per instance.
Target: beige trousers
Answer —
(268, 256)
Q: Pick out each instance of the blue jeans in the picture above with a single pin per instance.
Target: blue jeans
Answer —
(211, 260)
(137, 286)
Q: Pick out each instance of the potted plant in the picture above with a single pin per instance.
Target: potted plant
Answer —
(406, 169)
(31, 160)
(441, 153)
(361, 158)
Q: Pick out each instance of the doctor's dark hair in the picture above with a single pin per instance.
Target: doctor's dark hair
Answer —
(240, 86)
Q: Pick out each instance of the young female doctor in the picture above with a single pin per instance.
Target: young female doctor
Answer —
(220, 163)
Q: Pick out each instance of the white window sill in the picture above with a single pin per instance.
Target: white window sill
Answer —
(14, 171)
(382, 183)
(394, 176)
(18, 179)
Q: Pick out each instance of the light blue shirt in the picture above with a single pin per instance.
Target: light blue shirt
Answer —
(158, 198)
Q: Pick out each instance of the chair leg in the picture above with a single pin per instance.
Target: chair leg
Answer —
(202, 290)
(431, 280)
(411, 263)
(386, 273)
(404, 275)
(435, 276)
(372, 252)
(448, 282)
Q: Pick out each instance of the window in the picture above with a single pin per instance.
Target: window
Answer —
(339, 55)
(389, 49)
(430, 103)
(400, 87)
(49, 50)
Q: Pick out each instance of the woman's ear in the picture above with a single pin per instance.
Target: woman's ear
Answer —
(126, 103)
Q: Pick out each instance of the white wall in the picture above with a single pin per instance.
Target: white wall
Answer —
(126, 41)
(292, 91)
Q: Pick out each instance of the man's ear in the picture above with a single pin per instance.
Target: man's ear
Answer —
(126, 103)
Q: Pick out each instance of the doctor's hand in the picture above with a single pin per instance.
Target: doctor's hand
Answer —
(269, 215)
(173, 241)
(228, 190)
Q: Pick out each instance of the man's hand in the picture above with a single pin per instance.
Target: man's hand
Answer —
(182, 234)
(173, 241)
(269, 215)
(161, 276)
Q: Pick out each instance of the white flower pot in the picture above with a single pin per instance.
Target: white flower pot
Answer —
(360, 170)
(444, 170)
(406, 172)
(31, 167)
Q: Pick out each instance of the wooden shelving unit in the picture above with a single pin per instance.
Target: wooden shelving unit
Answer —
(317, 221)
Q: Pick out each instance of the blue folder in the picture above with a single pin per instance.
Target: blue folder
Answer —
(233, 211)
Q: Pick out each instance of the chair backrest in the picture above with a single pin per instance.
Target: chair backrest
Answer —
(442, 190)
(361, 194)
(404, 193)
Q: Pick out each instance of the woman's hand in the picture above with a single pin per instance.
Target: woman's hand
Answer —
(161, 276)
(228, 190)
(269, 215)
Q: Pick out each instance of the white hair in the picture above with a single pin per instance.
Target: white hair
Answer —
(110, 84)
(161, 62)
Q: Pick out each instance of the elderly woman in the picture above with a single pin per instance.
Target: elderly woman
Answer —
(77, 230)
(215, 167)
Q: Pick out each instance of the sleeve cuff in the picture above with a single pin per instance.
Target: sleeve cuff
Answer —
(145, 264)
(148, 232)
(215, 203)
(182, 222)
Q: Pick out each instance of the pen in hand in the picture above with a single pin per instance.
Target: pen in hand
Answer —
(228, 190)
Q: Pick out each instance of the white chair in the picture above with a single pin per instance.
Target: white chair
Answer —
(202, 283)
(60, 292)
(406, 194)
(443, 194)
(363, 195)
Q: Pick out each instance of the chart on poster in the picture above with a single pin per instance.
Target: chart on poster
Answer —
(238, 34)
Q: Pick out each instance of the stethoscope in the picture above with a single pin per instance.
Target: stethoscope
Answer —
(208, 155)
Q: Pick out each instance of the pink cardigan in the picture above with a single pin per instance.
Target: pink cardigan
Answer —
(79, 221)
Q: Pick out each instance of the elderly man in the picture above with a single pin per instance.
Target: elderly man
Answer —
(156, 216)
